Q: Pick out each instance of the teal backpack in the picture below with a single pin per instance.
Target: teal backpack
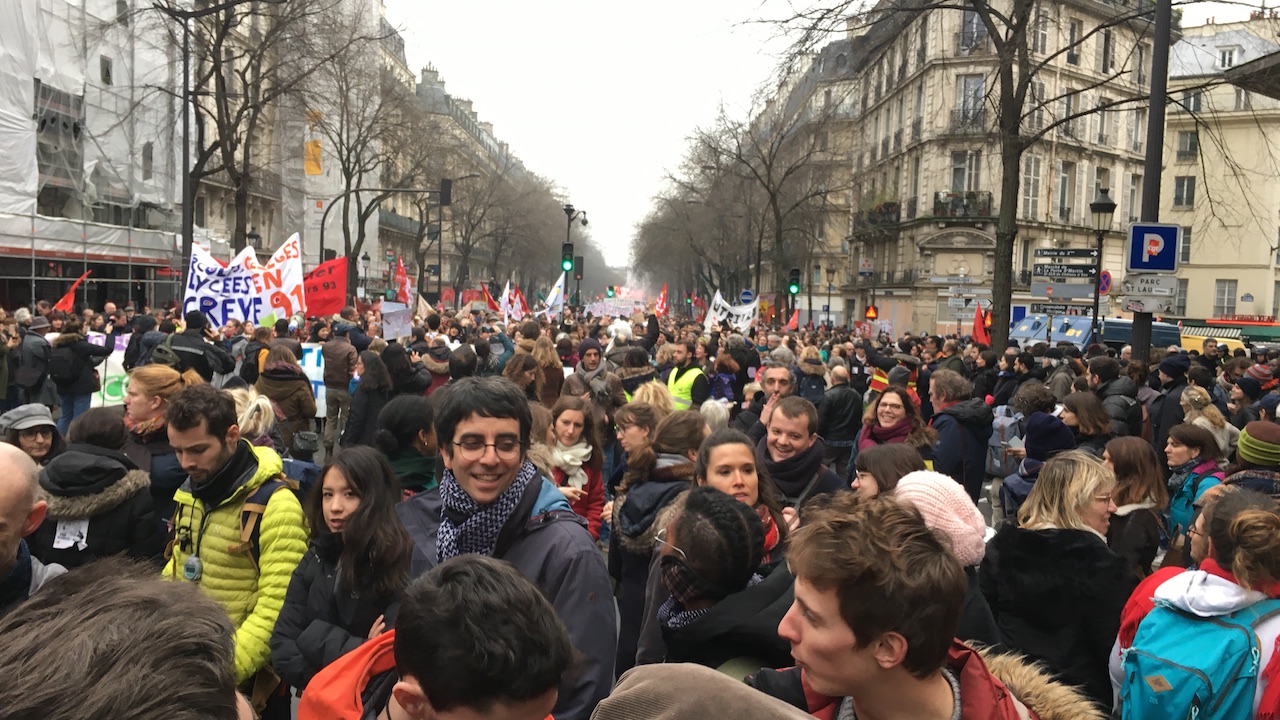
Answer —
(1185, 666)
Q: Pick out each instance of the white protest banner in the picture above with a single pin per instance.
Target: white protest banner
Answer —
(244, 289)
(612, 308)
(739, 316)
(313, 368)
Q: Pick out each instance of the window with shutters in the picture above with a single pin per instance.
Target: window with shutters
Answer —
(965, 169)
(1184, 191)
(1035, 118)
(1138, 130)
(1075, 31)
(1188, 145)
(1106, 53)
(1032, 170)
(1065, 192)
(1135, 197)
(1180, 299)
(1040, 37)
(1184, 245)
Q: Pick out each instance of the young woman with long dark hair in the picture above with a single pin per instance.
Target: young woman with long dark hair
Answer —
(371, 395)
(576, 459)
(356, 567)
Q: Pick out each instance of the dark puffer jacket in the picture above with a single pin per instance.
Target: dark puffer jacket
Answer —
(1120, 398)
(1056, 596)
(961, 451)
(99, 505)
(320, 620)
(743, 625)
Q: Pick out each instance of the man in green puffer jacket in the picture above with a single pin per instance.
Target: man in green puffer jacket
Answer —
(208, 545)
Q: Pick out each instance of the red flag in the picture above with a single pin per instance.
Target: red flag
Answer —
(68, 302)
(325, 288)
(661, 308)
(488, 298)
(403, 290)
(795, 321)
(980, 333)
(523, 307)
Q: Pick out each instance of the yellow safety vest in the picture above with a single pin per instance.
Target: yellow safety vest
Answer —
(682, 389)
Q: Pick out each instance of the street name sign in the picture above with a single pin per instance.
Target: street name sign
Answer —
(1151, 286)
(1070, 253)
(1064, 271)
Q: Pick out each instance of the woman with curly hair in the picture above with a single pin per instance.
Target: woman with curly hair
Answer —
(894, 418)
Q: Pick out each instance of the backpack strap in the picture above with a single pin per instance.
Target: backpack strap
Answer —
(251, 512)
(804, 494)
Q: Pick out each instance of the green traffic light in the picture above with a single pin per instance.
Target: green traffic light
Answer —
(567, 265)
(794, 288)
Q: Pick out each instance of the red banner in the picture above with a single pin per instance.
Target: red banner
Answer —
(403, 288)
(325, 288)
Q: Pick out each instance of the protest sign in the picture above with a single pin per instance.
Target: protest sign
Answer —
(739, 316)
(244, 289)
(397, 320)
(325, 288)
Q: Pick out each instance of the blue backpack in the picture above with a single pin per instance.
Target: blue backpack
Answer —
(1184, 666)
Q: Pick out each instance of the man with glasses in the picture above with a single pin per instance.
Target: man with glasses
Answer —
(493, 501)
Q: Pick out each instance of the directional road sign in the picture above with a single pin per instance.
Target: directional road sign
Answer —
(1060, 309)
(1153, 247)
(1061, 291)
(956, 302)
(957, 290)
(1151, 286)
(952, 280)
(1064, 271)
(1073, 253)
(746, 296)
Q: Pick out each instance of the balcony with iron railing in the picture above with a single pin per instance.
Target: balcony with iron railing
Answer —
(963, 204)
(1064, 214)
(1022, 278)
(883, 216)
(397, 223)
(887, 278)
(1188, 155)
(969, 121)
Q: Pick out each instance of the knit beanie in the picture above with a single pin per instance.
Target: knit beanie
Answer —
(1259, 444)
(683, 691)
(195, 320)
(589, 344)
(1047, 436)
(1250, 387)
(1263, 374)
(948, 511)
(900, 375)
(1175, 366)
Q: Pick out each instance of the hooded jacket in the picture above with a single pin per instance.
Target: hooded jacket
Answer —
(743, 625)
(633, 378)
(251, 594)
(550, 545)
(636, 523)
(204, 357)
(1120, 398)
(99, 505)
(320, 620)
(87, 354)
(436, 361)
(993, 686)
(1056, 596)
(961, 451)
(290, 389)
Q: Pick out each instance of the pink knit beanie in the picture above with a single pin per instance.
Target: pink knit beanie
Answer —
(948, 511)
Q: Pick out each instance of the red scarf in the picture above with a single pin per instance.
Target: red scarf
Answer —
(771, 533)
(875, 434)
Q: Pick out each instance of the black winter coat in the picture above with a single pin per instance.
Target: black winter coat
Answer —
(1166, 413)
(743, 625)
(153, 454)
(204, 357)
(1120, 398)
(362, 423)
(99, 499)
(984, 382)
(320, 620)
(631, 546)
(1134, 535)
(840, 414)
(1056, 596)
(88, 356)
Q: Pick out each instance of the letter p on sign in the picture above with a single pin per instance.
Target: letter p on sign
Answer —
(1154, 244)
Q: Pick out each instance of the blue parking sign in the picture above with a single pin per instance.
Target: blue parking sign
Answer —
(1153, 247)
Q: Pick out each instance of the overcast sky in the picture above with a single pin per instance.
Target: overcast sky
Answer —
(602, 96)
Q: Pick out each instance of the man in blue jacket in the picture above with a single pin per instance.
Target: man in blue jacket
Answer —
(964, 427)
(493, 501)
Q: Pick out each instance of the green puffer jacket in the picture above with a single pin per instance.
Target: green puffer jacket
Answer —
(252, 598)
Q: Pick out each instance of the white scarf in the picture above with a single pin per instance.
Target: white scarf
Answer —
(570, 460)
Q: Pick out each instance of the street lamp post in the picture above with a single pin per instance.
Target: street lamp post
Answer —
(364, 272)
(831, 285)
(1103, 209)
(570, 215)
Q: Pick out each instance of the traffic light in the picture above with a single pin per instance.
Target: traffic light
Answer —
(446, 191)
(688, 298)
(986, 319)
(577, 267)
(793, 285)
(871, 313)
(608, 291)
(566, 257)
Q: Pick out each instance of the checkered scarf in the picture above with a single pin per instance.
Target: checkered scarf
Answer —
(469, 527)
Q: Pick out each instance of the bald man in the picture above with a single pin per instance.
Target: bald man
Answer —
(839, 419)
(20, 514)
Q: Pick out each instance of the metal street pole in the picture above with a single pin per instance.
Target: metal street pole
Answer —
(188, 212)
(1097, 290)
(1140, 339)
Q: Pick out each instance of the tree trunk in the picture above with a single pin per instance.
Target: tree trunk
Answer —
(239, 234)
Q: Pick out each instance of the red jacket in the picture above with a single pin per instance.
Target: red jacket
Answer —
(591, 505)
(982, 695)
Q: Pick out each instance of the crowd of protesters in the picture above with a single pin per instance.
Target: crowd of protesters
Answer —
(596, 517)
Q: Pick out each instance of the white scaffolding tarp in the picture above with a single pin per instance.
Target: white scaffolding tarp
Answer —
(20, 40)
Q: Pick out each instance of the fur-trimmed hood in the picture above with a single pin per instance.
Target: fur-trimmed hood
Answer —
(812, 367)
(66, 339)
(437, 360)
(1035, 688)
(87, 506)
(625, 373)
